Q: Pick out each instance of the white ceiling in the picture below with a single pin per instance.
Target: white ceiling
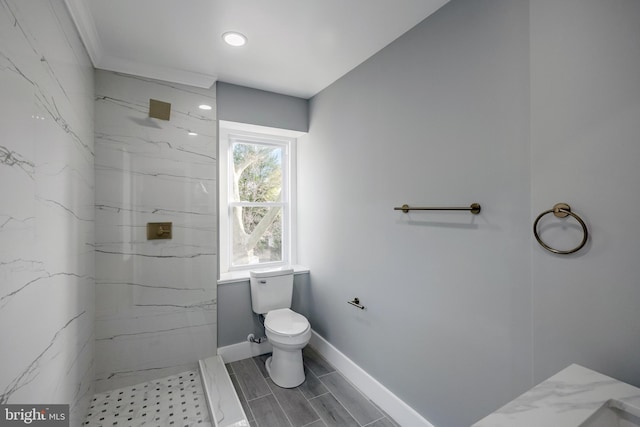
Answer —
(296, 47)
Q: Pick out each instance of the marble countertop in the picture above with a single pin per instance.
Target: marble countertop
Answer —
(567, 399)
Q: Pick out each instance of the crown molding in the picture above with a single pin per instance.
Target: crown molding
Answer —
(167, 74)
(86, 26)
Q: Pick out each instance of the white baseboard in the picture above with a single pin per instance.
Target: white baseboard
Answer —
(402, 413)
(243, 350)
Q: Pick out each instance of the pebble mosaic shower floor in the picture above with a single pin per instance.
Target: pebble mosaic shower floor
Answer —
(174, 401)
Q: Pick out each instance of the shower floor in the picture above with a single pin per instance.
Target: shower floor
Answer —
(177, 400)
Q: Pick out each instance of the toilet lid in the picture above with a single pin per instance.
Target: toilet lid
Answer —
(286, 322)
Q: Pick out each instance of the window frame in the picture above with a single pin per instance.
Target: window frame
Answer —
(229, 133)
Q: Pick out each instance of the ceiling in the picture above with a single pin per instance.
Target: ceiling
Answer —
(295, 47)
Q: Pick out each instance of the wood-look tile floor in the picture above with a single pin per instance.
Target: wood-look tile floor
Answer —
(324, 399)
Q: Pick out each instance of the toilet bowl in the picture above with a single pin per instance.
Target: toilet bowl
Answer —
(288, 332)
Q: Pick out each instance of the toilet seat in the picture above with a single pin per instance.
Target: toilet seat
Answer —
(286, 323)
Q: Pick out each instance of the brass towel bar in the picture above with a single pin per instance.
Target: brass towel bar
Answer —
(474, 209)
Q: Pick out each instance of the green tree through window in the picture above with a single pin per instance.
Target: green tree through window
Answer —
(257, 203)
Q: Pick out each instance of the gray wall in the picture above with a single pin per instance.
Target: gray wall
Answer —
(46, 209)
(585, 148)
(514, 104)
(257, 107)
(439, 117)
(236, 319)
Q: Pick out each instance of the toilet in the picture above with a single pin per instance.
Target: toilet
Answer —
(288, 331)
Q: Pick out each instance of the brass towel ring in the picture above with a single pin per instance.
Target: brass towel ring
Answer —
(561, 210)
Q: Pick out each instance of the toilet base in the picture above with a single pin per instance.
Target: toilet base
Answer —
(285, 367)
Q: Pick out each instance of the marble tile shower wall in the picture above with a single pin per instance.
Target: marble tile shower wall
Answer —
(155, 299)
(46, 208)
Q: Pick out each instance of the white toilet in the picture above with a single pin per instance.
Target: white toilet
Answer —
(288, 331)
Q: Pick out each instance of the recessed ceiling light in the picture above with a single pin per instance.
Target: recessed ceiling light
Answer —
(204, 107)
(192, 133)
(235, 39)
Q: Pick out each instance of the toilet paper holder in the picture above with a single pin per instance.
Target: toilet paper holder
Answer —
(356, 303)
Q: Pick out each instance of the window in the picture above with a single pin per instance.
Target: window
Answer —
(256, 203)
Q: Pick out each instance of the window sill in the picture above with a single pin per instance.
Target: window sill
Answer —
(243, 276)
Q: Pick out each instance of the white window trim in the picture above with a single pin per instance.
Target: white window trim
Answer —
(227, 131)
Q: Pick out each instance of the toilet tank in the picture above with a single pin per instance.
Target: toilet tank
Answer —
(271, 289)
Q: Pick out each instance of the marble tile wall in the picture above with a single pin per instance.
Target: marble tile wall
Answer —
(46, 208)
(156, 307)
